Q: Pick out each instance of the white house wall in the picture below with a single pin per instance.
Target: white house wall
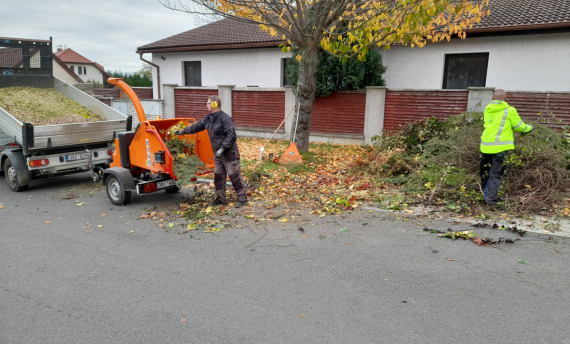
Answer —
(62, 74)
(241, 67)
(92, 72)
(526, 62)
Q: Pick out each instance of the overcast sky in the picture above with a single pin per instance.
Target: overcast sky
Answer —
(104, 31)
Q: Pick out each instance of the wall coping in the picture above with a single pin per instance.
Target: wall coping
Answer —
(541, 92)
(378, 87)
(196, 88)
(425, 90)
(481, 88)
(170, 85)
(260, 89)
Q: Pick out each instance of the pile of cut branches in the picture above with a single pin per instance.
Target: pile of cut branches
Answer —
(440, 158)
(40, 106)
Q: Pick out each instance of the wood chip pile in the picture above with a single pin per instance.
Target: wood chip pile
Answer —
(40, 106)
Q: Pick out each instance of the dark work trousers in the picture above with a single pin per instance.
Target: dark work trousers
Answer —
(492, 171)
(232, 169)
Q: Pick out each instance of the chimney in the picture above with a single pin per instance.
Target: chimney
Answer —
(59, 50)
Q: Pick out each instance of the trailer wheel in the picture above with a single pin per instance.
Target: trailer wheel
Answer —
(12, 177)
(115, 191)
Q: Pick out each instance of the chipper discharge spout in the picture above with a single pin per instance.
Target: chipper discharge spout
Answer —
(142, 161)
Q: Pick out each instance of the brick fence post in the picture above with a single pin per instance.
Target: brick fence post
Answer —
(374, 112)
(225, 94)
(168, 99)
(479, 98)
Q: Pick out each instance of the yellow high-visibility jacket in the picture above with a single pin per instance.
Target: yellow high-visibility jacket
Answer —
(500, 122)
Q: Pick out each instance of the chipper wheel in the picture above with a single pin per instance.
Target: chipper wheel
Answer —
(115, 191)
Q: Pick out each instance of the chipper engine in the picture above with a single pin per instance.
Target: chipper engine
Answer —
(142, 162)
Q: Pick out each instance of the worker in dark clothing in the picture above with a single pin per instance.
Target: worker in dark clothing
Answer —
(501, 120)
(222, 135)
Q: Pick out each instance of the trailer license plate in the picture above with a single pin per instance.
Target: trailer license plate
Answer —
(74, 157)
(165, 184)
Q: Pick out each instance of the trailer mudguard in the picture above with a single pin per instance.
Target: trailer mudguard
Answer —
(20, 165)
(125, 177)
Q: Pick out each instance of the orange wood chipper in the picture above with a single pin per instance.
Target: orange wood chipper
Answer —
(142, 162)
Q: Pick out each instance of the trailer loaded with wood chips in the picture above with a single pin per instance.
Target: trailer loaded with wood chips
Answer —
(48, 127)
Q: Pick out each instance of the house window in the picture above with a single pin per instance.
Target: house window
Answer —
(79, 70)
(71, 67)
(84, 70)
(193, 73)
(465, 70)
(285, 81)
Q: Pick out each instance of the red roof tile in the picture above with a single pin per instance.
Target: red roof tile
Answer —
(70, 56)
(505, 15)
(525, 14)
(11, 57)
(222, 32)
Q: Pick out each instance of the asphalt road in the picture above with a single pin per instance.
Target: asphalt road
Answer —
(382, 280)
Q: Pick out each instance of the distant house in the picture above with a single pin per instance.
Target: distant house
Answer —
(82, 67)
(63, 72)
(521, 45)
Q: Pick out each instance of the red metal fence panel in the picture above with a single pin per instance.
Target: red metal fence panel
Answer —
(529, 105)
(108, 92)
(258, 109)
(191, 103)
(143, 92)
(412, 106)
(340, 113)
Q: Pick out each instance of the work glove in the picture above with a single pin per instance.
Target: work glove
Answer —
(178, 132)
(219, 152)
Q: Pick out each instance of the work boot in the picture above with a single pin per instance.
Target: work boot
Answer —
(240, 204)
(217, 201)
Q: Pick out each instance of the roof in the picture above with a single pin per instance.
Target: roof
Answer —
(506, 15)
(11, 58)
(514, 15)
(70, 56)
(222, 34)
(66, 68)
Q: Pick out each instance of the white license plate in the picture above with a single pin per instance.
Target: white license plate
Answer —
(165, 184)
(74, 157)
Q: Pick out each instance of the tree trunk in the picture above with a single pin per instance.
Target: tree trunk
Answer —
(306, 94)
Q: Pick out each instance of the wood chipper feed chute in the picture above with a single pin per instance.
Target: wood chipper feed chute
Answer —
(142, 160)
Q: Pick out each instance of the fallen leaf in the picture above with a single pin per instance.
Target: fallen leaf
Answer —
(103, 214)
(161, 226)
(209, 210)
(546, 231)
(1, 207)
(131, 232)
(249, 216)
(343, 229)
(144, 216)
(305, 235)
(163, 215)
(449, 259)
(80, 203)
(523, 262)
(409, 211)
(528, 186)
(301, 229)
(231, 204)
(302, 316)
(171, 225)
(100, 226)
(183, 320)
(48, 222)
(349, 243)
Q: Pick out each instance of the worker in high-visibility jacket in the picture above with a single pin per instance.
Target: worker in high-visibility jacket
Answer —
(501, 120)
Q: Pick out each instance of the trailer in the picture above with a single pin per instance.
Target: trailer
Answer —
(29, 152)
